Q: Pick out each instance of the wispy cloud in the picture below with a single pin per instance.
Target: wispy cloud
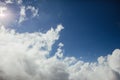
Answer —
(13, 1)
(23, 11)
(22, 14)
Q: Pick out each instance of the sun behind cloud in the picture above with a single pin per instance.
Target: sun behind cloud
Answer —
(15, 12)
(6, 16)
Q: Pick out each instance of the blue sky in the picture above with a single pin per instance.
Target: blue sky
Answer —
(91, 28)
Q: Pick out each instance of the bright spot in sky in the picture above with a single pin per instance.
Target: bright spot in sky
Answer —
(6, 16)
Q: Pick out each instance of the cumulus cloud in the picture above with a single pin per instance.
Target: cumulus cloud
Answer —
(106, 68)
(25, 56)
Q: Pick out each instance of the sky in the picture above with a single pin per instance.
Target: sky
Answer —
(59, 40)
(91, 28)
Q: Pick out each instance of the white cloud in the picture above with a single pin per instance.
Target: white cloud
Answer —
(8, 1)
(23, 10)
(59, 52)
(19, 1)
(22, 14)
(101, 70)
(24, 56)
(114, 60)
(33, 10)
(13, 1)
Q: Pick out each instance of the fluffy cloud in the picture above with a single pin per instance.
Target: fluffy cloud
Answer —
(106, 68)
(25, 56)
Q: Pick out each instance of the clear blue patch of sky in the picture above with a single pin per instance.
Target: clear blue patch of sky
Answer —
(92, 28)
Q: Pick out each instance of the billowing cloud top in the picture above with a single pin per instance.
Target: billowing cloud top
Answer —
(25, 56)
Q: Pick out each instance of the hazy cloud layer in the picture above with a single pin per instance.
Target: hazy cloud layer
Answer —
(25, 56)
